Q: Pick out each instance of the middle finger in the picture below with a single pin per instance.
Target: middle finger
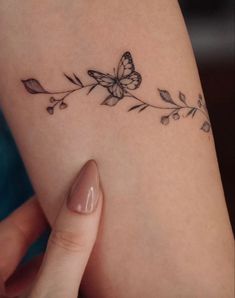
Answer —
(17, 233)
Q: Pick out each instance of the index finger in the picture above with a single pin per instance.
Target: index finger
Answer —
(72, 238)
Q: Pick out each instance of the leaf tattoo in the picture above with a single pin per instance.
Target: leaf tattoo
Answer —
(165, 95)
(182, 97)
(206, 126)
(33, 86)
(119, 86)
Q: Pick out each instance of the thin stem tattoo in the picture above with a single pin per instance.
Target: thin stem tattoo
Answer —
(119, 86)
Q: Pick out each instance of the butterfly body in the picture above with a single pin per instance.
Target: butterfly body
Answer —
(124, 79)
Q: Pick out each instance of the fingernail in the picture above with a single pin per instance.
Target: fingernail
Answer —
(85, 191)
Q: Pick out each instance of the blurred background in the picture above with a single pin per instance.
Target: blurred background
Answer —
(211, 28)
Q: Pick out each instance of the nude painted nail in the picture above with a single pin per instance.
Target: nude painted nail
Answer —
(85, 191)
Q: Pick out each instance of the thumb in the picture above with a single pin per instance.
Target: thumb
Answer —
(72, 238)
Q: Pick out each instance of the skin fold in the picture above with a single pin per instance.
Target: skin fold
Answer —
(165, 230)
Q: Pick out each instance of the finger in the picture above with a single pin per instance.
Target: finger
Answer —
(22, 279)
(17, 232)
(2, 287)
(72, 238)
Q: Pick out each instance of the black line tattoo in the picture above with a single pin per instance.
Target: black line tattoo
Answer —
(118, 86)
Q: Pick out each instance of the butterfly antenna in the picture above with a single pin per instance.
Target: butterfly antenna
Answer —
(114, 71)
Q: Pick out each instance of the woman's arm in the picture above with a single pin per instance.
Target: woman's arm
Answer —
(165, 229)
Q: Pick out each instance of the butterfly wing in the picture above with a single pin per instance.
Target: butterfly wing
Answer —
(116, 90)
(125, 66)
(132, 81)
(127, 77)
(109, 82)
(105, 80)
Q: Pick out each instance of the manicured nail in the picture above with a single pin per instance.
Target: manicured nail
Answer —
(85, 191)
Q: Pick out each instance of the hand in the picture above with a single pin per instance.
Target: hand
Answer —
(69, 246)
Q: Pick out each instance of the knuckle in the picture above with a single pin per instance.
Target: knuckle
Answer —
(69, 241)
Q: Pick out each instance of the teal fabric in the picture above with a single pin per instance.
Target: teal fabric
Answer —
(15, 187)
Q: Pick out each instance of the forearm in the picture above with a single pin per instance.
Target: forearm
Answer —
(165, 227)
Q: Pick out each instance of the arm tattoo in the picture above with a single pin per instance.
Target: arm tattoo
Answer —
(119, 86)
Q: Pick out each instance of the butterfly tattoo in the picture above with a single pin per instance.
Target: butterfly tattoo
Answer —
(120, 85)
(124, 79)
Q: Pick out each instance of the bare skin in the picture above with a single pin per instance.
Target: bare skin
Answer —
(165, 230)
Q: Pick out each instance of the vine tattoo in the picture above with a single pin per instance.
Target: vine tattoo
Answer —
(119, 86)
